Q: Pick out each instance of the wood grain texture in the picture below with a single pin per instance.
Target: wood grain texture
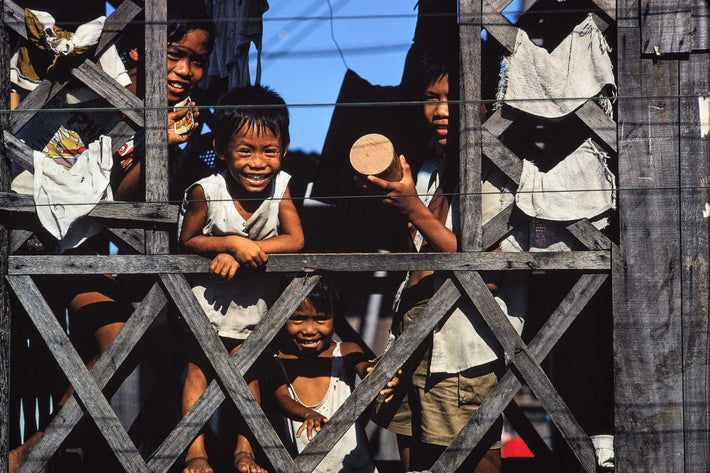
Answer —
(608, 7)
(700, 16)
(665, 27)
(648, 376)
(499, 226)
(473, 285)
(18, 151)
(588, 235)
(470, 126)
(367, 390)
(478, 261)
(120, 134)
(509, 384)
(228, 373)
(694, 178)
(506, 160)
(522, 425)
(116, 22)
(173, 446)
(18, 238)
(501, 120)
(106, 366)
(132, 238)
(499, 27)
(599, 122)
(156, 116)
(78, 375)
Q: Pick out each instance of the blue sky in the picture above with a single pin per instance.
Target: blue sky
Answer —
(301, 61)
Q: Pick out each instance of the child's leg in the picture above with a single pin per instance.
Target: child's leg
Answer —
(195, 385)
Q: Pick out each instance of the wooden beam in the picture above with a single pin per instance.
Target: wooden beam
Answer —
(172, 447)
(648, 332)
(599, 122)
(508, 385)
(588, 235)
(155, 163)
(482, 298)
(499, 27)
(78, 375)
(499, 226)
(228, 373)
(700, 29)
(478, 261)
(106, 366)
(18, 151)
(500, 155)
(470, 125)
(665, 27)
(522, 425)
(367, 390)
(695, 287)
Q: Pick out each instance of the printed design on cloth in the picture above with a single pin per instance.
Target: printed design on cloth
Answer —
(554, 84)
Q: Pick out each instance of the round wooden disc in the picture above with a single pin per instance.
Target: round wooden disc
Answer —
(372, 154)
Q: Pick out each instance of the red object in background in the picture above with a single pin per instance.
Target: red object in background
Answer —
(515, 447)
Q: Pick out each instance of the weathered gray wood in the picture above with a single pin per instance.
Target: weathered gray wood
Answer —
(506, 160)
(14, 17)
(367, 390)
(499, 226)
(522, 425)
(132, 237)
(120, 134)
(695, 287)
(156, 116)
(474, 286)
(227, 372)
(608, 7)
(78, 375)
(599, 122)
(114, 210)
(104, 369)
(116, 22)
(470, 125)
(665, 27)
(499, 27)
(588, 235)
(508, 385)
(33, 103)
(113, 92)
(164, 457)
(4, 250)
(480, 261)
(18, 238)
(700, 15)
(18, 151)
(648, 374)
(501, 120)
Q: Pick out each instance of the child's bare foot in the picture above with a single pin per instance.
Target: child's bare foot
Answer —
(17, 455)
(197, 465)
(244, 463)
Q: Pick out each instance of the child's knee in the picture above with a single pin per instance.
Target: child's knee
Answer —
(195, 376)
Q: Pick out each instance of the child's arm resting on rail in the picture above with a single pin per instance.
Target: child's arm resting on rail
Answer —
(403, 197)
(297, 411)
(358, 361)
(290, 237)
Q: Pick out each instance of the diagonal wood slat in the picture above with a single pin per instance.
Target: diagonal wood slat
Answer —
(508, 385)
(164, 457)
(78, 375)
(499, 226)
(474, 286)
(522, 425)
(227, 372)
(589, 236)
(19, 152)
(104, 369)
(367, 390)
(506, 160)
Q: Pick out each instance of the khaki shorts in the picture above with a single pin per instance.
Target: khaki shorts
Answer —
(433, 408)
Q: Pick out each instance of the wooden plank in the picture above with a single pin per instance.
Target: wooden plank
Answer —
(14, 17)
(470, 125)
(106, 366)
(137, 212)
(116, 22)
(700, 15)
(505, 159)
(18, 238)
(473, 285)
(499, 27)
(18, 151)
(367, 390)
(130, 237)
(34, 102)
(665, 27)
(113, 92)
(588, 235)
(171, 448)
(648, 365)
(78, 375)
(5, 316)
(480, 261)
(156, 116)
(499, 226)
(508, 385)
(501, 120)
(608, 7)
(120, 134)
(599, 122)
(695, 287)
(228, 373)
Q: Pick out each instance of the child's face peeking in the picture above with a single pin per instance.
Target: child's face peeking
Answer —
(253, 156)
(436, 110)
(187, 59)
(310, 330)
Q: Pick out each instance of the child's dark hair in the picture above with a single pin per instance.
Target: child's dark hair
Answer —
(324, 297)
(426, 63)
(251, 106)
(187, 15)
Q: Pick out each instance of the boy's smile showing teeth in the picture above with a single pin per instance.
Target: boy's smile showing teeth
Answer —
(253, 157)
(310, 330)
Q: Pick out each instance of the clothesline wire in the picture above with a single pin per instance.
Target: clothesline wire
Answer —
(703, 94)
(370, 196)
